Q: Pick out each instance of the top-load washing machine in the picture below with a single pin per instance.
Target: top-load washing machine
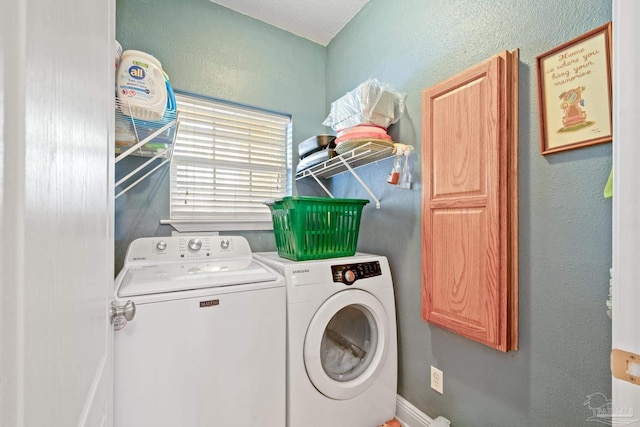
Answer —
(342, 345)
(206, 346)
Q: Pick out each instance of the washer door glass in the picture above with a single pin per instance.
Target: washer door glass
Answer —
(346, 344)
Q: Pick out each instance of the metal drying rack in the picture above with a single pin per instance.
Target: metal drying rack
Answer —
(364, 154)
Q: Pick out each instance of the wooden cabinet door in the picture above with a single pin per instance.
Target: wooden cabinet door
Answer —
(469, 279)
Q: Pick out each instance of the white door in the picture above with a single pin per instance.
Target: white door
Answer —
(346, 344)
(626, 201)
(56, 238)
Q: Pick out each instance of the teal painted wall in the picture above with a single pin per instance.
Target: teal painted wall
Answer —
(210, 50)
(565, 223)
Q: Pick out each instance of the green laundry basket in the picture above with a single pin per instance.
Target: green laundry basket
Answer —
(316, 227)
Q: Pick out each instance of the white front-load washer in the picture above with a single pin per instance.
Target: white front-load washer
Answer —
(341, 340)
(206, 346)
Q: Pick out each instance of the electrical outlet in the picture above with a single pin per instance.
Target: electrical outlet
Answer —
(437, 380)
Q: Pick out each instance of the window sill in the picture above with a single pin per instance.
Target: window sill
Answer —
(186, 225)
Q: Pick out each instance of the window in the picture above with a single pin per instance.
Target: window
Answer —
(227, 160)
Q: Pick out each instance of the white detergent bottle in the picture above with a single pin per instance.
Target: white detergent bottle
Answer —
(141, 86)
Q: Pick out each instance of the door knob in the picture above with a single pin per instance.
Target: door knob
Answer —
(128, 311)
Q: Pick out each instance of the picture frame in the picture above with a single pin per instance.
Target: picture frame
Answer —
(574, 92)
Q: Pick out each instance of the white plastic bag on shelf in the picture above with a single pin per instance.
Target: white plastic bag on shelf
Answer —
(371, 102)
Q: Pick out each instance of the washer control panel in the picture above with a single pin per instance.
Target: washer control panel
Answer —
(177, 248)
(194, 247)
(349, 273)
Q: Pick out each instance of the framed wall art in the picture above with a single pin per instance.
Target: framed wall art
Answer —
(574, 92)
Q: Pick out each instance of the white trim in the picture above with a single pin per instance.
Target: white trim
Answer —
(409, 415)
(13, 69)
(626, 208)
(194, 226)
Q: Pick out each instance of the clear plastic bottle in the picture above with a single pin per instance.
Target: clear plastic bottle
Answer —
(406, 173)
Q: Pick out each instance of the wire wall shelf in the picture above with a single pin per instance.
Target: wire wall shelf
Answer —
(143, 138)
(361, 155)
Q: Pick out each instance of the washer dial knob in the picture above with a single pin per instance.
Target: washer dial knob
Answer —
(161, 245)
(194, 245)
(224, 244)
(349, 277)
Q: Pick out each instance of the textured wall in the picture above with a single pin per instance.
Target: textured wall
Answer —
(213, 51)
(565, 224)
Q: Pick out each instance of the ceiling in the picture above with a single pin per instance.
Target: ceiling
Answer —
(318, 21)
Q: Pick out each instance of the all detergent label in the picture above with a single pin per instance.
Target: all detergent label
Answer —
(137, 72)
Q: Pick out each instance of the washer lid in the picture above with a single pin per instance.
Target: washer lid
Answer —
(172, 277)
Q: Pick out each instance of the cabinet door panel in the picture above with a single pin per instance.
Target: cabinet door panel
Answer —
(460, 237)
(466, 261)
(459, 116)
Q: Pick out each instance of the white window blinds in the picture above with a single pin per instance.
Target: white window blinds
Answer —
(227, 160)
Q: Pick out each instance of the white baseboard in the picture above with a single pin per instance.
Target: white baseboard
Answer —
(409, 415)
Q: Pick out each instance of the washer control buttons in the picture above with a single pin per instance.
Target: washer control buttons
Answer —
(194, 245)
(349, 273)
(161, 245)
